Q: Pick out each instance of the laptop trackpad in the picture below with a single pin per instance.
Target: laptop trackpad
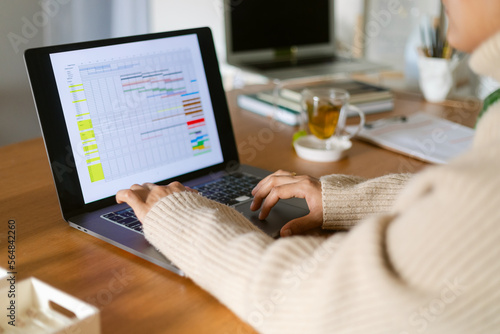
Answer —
(280, 214)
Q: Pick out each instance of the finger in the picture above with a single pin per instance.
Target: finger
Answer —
(130, 197)
(264, 191)
(191, 190)
(141, 190)
(300, 225)
(266, 179)
(284, 191)
(176, 186)
(148, 185)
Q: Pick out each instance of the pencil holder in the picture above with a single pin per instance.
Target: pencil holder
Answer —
(437, 77)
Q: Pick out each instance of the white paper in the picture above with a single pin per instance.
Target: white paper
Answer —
(421, 136)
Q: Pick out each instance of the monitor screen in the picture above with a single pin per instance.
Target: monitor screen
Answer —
(264, 24)
(136, 112)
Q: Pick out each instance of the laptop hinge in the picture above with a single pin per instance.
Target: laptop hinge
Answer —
(287, 54)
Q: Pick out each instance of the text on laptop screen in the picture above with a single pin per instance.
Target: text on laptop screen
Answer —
(263, 24)
(136, 112)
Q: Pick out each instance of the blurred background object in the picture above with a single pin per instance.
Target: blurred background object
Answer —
(28, 24)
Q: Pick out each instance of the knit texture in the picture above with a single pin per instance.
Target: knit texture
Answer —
(421, 254)
(349, 199)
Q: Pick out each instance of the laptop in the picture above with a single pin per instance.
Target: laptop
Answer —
(147, 108)
(286, 39)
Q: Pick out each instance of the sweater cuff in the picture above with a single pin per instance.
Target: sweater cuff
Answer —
(349, 199)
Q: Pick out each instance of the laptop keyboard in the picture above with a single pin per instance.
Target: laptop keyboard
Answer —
(126, 218)
(229, 189)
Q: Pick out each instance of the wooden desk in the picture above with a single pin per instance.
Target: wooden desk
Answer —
(135, 296)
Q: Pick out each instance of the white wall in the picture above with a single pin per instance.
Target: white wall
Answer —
(174, 14)
(16, 23)
(18, 119)
(346, 16)
(29, 23)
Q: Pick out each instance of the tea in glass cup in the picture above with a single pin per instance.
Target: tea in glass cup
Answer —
(325, 110)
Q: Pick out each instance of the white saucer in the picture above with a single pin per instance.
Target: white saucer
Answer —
(312, 149)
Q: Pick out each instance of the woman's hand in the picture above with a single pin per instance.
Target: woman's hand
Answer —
(142, 198)
(283, 185)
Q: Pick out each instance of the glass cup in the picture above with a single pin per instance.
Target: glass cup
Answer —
(325, 110)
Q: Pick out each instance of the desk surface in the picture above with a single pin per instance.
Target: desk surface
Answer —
(136, 296)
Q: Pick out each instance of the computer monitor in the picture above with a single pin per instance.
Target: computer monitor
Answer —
(263, 30)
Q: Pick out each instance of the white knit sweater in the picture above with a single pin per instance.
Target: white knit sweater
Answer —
(421, 255)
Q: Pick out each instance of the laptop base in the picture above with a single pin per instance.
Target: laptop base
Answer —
(327, 67)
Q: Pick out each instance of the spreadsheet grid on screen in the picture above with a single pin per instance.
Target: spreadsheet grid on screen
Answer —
(136, 112)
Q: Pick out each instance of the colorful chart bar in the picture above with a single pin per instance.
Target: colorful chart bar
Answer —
(96, 173)
(85, 124)
(90, 147)
(93, 159)
(196, 121)
(87, 135)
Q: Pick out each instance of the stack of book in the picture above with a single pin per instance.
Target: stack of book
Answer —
(369, 98)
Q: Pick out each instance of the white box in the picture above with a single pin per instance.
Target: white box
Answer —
(35, 311)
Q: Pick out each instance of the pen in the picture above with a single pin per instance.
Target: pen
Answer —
(384, 121)
(425, 48)
(434, 42)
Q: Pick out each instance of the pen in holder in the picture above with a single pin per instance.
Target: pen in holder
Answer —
(437, 63)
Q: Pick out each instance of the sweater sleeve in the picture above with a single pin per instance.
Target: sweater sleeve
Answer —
(349, 199)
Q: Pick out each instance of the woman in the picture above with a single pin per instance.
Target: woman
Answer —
(423, 255)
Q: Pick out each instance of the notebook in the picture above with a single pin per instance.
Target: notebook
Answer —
(421, 136)
(148, 108)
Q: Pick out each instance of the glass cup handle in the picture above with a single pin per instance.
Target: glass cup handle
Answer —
(360, 125)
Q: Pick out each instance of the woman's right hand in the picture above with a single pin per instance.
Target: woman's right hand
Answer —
(283, 185)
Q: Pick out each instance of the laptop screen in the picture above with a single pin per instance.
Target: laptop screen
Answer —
(263, 24)
(136, 112)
